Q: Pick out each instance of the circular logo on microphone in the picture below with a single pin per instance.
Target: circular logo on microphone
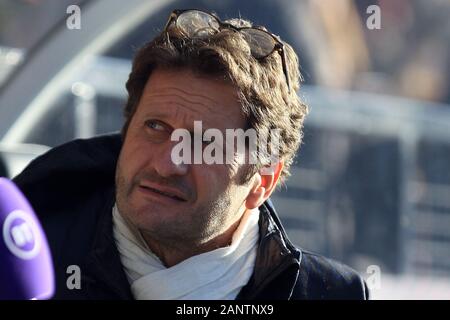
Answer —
(21, 235)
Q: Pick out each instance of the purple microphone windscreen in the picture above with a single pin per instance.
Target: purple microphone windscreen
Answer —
(26, 269)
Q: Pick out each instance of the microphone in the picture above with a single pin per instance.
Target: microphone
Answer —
(26, 268)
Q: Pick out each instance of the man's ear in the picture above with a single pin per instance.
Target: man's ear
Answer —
(264, 183)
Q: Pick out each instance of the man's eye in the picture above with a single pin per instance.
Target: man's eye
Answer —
(155, 125)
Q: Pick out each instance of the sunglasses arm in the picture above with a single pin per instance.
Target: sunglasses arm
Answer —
(172, 16)
(285, 71)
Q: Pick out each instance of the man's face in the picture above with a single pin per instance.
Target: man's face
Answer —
(187, 202)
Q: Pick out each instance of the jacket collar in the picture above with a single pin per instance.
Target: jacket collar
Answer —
(277, 261)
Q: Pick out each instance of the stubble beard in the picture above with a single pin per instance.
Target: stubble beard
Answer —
(204, 224)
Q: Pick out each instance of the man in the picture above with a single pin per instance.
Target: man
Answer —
(139, 223)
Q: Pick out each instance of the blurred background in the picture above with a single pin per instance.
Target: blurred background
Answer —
(371, 183)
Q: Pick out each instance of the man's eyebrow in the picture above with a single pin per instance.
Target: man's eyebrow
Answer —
(164, 116)
(156, 114)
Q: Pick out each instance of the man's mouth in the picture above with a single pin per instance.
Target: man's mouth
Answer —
(165, 192)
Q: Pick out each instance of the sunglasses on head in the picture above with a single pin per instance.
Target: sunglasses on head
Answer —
(199, 24)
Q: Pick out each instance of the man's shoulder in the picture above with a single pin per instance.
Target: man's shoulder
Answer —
(70, 175)
(311, 275)
(77, 158)
(324, 278)
(78, 153)
(68, 187)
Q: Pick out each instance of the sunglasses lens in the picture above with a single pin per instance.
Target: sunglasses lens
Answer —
(197, 23)
(261, 43)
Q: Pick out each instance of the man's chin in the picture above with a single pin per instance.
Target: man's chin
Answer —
(155, 214)
(166, 227)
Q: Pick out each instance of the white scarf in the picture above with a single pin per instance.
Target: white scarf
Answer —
(214, 275)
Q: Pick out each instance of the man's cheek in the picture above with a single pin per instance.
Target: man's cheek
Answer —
(131, 164)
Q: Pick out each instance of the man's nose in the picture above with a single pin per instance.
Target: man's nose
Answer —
(163, 163)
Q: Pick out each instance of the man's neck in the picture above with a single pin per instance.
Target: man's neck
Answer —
(172, 254)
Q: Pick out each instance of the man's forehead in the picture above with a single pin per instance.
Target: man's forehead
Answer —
(195, 85)
(188, 97)
(190, 101)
